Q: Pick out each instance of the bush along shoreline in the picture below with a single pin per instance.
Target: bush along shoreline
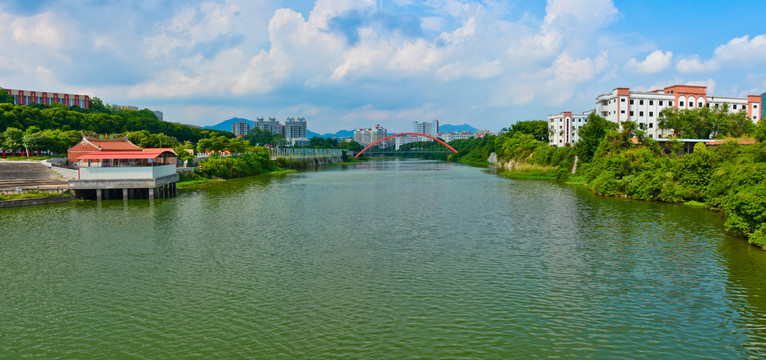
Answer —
(729, 177)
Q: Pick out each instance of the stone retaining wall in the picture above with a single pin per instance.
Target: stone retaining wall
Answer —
(36, 201)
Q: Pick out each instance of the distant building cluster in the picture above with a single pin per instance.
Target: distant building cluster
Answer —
(26, 97)
(365, 137)
(294, 129)
(643, 107)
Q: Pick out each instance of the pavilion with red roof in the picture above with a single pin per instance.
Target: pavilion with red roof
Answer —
(118, 165)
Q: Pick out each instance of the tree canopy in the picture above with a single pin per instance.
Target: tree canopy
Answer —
(706, 123)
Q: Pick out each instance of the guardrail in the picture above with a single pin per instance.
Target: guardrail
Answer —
(292, 153)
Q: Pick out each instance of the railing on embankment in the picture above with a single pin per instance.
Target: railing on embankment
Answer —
(303, 153)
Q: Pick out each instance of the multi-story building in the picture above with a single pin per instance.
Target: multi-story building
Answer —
(563, 127)
(428, 128)
(26, 97)
(271, 125)
(643, 107)
(405, 139)
(368, 136)
(240, 128)
(295, 128)
(159, 115)
(449, 136)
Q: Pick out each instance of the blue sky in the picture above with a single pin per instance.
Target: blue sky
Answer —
(345, 64)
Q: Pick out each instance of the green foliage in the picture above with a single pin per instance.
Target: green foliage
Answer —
(261, 137)
(760, 132)
(591, 134)
(537, 128)
(706, 123)
(473, 149)
(99, 119)
(5, 97)
(252, 163)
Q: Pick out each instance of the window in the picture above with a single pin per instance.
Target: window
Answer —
(670, 103)
(631, 113)
(631, 101)
(651, 102)
(680, 103)
(651, 125)
(755, 106)
(691, 104)
(716, 105)
(622, 100)
(699, 105)
(622, 111)
(640, 102)
(734, 106)
(660, 102)
(640, 113)
(651, 114)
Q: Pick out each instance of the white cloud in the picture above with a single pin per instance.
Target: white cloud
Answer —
(741, 51)
(654, 63)
(694, 65)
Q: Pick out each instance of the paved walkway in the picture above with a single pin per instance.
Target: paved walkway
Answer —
(28, 175)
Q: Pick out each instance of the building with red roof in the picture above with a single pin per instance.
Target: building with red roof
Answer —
(88, 145)
(118, 167)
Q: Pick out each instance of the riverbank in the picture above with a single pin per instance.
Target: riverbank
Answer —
(729, 177)
(32, 198)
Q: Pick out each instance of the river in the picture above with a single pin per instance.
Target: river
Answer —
(384, 259)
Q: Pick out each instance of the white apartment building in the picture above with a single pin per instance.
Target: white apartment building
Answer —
(563, 127)
(368, 136)
(240, 128)
(428, 128)
(449, 136)
(295, 128)
(643, 107)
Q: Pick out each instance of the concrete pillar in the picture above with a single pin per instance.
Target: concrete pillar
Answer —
(98, 194)
(151, 193)
(125, 194)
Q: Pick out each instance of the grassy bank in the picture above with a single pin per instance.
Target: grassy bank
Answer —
(531, 172)
(30, 195)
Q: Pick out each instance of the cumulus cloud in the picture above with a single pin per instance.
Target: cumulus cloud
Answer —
(738, 51)
(654, 63)
(695, 65)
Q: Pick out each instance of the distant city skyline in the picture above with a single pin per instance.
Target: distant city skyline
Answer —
(349, 65)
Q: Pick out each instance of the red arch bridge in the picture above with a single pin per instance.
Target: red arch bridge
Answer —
(402, 134)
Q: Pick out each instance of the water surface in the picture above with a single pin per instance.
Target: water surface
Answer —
(385, 259)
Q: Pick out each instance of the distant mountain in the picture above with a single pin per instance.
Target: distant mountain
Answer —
(341, 133)
(226, 125)
(457, 128)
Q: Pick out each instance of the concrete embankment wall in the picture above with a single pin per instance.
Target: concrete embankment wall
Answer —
(308, 162)
(37, 201)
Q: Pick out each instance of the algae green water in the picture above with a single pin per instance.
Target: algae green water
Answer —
(385, 259)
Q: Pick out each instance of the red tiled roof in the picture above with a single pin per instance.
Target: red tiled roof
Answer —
(110, 155)
(161, 149)
(114, 145)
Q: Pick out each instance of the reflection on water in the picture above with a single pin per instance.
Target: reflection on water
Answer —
(383, 259)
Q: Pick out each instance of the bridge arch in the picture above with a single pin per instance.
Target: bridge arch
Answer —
(402, 134)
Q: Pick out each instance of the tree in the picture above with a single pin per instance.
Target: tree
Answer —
(12, 138)
(6, 97)
(237, 146)
(591, 135)
(537, 128)
(705, 123)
